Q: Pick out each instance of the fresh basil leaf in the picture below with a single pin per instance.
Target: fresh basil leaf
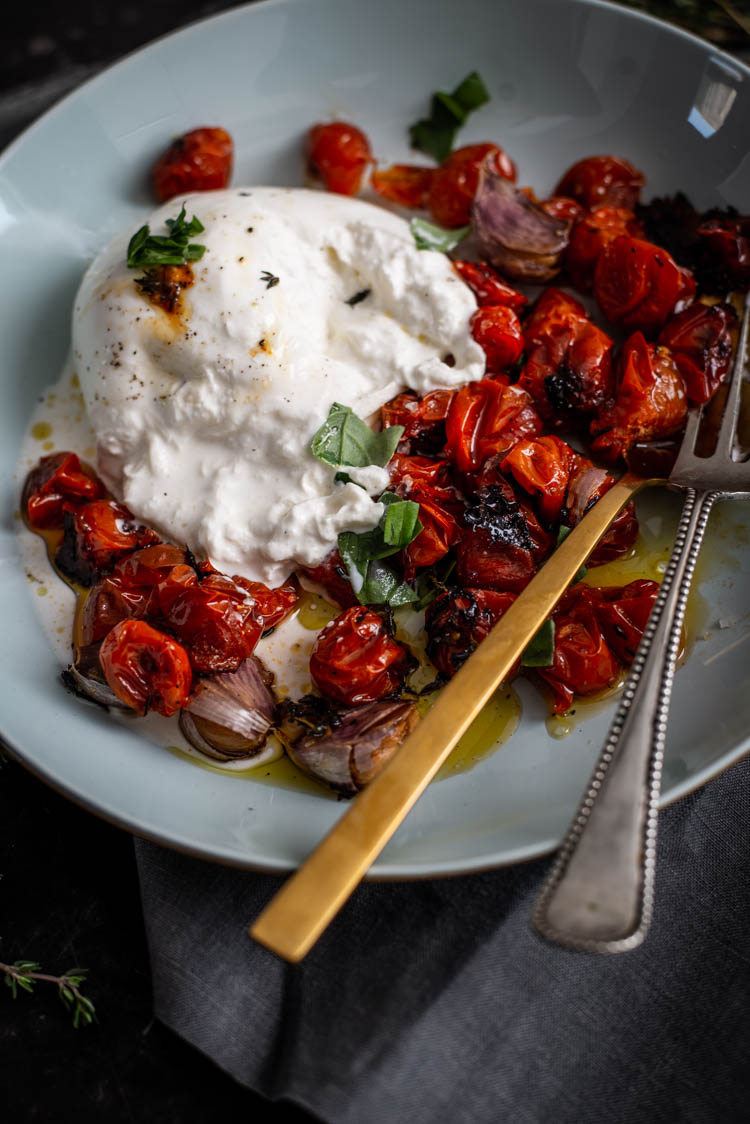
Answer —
(431, 582)
(343, 438)
(146, 249)
(401, 523)
(540, 650)
(428, 236)
(382, 587)
(562, 535)
(448, 112)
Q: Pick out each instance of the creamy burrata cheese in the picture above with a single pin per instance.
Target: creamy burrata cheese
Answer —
(203, 421)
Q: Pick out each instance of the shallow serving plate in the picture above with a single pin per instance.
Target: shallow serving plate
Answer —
(567, 79)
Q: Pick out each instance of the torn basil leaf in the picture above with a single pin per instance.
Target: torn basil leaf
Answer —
(540, 650)
(448, 112)
(401, 523)
(373, 581)
(344, 439)
(428, 236)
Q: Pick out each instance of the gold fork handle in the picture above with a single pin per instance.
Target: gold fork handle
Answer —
(294, 919)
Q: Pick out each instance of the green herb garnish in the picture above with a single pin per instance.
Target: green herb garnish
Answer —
(374, 582)
(540, 650)
(448, 112)
(146, 249)
(428, 236)
(344, 439)
(562, 535)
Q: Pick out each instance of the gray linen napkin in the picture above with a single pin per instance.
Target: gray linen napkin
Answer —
(432, 1001)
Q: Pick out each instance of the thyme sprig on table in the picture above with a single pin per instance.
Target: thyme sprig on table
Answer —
(23, 975)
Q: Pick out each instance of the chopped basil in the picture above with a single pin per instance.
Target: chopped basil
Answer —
(146, 249)
(428, 236)
(435, 134)
(344, 439)
(562, 535)
(540, 650)
(374, 582)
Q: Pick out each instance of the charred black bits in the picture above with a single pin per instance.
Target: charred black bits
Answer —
(493, 511)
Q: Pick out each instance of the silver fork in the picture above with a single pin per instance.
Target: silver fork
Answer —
(599, 894)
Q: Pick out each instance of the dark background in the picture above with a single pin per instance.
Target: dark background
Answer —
(69, 892)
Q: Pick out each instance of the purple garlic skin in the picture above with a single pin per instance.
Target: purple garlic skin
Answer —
(228, 716)
(356, 744)
(515, 235)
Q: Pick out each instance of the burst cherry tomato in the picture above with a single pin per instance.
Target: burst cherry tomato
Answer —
(488, 417)
(542, 467)
(355, 660)
(272, 606)
(651, 402)
(439, 533)
(504, 541)
(623, 616)
(568, 368)
(586, 485)
(488, 286)
(582, 663)
(145, 668)
(423, 419)
(339, 153)
(639, 286)
(700, 341)
(201, 160)
(110, 601)
(498, 332)
(602, 181)
(408, 473)
(57, 479)
(407, 184)
(562, 207)
(724, 243)
(96, 535)
(589, 237)
(212, 617)
(458, 620)
(455, 182)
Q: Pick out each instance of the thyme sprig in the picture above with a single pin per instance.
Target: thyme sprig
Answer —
(23, 975)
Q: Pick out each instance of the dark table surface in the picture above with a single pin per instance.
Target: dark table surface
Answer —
(69, 891)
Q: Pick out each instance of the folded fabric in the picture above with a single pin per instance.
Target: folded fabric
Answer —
(433, 1001)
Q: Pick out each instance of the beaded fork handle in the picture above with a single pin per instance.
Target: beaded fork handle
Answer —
(599, 895)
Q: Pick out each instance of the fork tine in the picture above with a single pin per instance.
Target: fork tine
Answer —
(687, 445)
(728, 427)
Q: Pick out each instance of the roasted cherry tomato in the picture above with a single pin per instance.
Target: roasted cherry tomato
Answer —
(498, 332)
(332, 575)
(700, 341)
(458, 620)
(201, 160)
(110, 601)
(568, 368)
(440, 531)
(589, 237)
(339, 153)
(407, 184)
(272, 606)
(503, 543)
(487, 417)
(541, 466)
(355, 660)
(650, 403)
(147, 567)
(213, 617)
(586, 485)
(488, 286)
(562, 207)
(455, 182)
(57, 480)
(145, 668)
(423, 419)
(602, 181)
(95, 536)
(724, 244)
(408, 473)
(582, 663)
(639, 286)
(623, 616)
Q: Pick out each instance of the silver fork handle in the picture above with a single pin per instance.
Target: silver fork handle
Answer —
(599, 895)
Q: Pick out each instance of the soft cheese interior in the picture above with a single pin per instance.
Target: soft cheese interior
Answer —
(203, 421)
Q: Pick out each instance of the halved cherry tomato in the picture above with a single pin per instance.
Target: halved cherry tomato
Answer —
(57, 479)
(272, 606)
(700, 341)
(96, 535)
(458, 620)
(488, 286)
(407, 184)
(213, 618)
(589, 237)
(602, 181)
(568, 368)
(355, 660)
(488, 417)
(201, 160)
(145, 668)
(339, 153)
(454, 183)
(423, 419)
(639, 286)
(651, 402)
(497, 330)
